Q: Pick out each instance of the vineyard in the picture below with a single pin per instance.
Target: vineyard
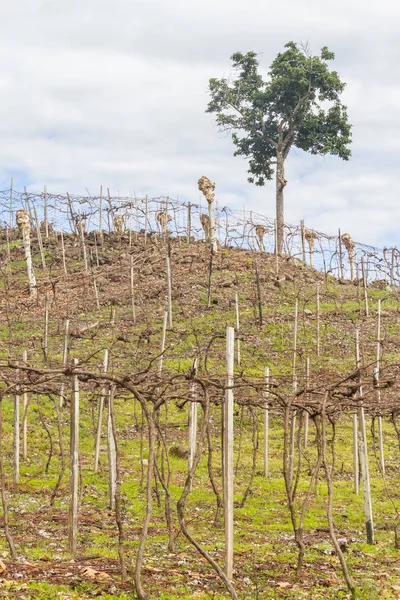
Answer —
(179, 421)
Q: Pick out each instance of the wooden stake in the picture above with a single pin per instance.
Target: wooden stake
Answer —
(365, 284)
(169, 283)
(189, 222)
(192, 419)
(39, 238)
(11, 202)
(132, 281)
(355, 455)
(63, 253)
(260, 311)
(237, 328)
(112, 455)
(74, 464)
(45, 218)
(100, 416)
(317, 324)
(24, 416)
(16, 437)
(266, 421)
(341, 269)
(378, 391)
(101, 216)
(65, 359)
(46, 325)
(303, 241)
(362, 434)
(307, 382)
(228, 453)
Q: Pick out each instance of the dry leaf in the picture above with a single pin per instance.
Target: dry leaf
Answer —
(96, 575)
(3, 567)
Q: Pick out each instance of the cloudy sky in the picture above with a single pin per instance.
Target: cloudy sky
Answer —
(113, 92)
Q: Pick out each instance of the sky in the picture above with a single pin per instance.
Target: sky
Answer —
(114, 92)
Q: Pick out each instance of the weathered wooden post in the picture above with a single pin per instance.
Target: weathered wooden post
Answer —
(362, 434)
(74, 463)
(266, 421)
(237, 328)
(111, 447)
(228, 452)
(378, 391)
(192, 420)
(100, 416)
(24, 415)
(169, 285)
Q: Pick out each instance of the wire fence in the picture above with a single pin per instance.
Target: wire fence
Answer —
(338, 255)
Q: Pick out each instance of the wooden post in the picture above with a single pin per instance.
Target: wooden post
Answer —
(341, 270)
(46, 326)
(266, 421)
(39, 238)
(132, 280)
(24, 416)
(169, 283)
(146, 218)
(365, 286)
(74, 464)
(260, 311)
(192, 419)
(392, 268)
(100, 416)
(303, 241)
(189, 222)
(45, 217)
(101, 216)
(96, 291)
(228, 452)
(294, 386)
(362, 436)
(16, 437)
(378, 391)
(307, 382)
(65, 359)
(63, 253)
(11, 202)
(111, 447)
(237, 327)
(318, 343)
(355, 455)
(276, 250)
(82, 236)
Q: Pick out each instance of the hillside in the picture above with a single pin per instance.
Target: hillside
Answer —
(118, 304)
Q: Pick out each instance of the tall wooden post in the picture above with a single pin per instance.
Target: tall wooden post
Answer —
(74, 464)
(266, 421)
(228, 452)
(378, 391)
(112, 454)
(100, 416)
(362, 436)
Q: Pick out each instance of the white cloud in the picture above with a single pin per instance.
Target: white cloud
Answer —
(114, 93)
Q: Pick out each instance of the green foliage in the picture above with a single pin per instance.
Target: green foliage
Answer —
(298, 105)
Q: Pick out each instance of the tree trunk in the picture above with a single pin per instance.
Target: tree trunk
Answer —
(280, 184)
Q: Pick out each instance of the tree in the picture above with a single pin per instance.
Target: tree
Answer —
(298, 105)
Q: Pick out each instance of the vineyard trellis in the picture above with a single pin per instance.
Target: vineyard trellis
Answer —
(338, 256)
(80, 245)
